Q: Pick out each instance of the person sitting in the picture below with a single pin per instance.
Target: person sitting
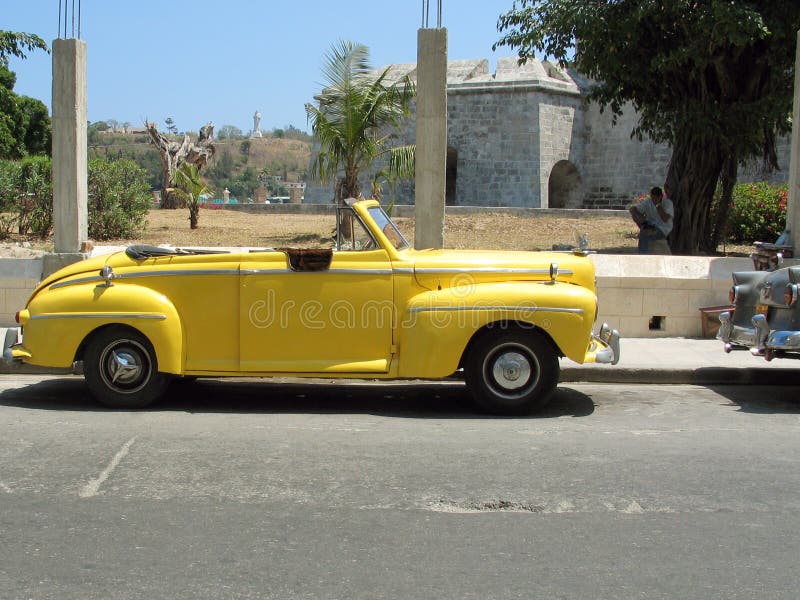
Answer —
(654, 216)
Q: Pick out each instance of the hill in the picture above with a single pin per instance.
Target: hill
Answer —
(237, 165)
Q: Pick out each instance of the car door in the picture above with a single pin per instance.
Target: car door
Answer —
(332, 320)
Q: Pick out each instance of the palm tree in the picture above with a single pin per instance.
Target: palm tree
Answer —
(189, 186)
(357, 109)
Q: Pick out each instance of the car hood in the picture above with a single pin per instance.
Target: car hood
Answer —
(443, 268)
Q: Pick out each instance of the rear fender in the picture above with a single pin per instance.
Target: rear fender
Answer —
(436, 326)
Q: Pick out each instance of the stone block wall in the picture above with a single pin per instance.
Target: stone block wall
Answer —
(661, 296)
(18, 278)
(495, 137)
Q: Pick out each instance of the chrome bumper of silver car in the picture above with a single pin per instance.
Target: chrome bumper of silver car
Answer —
(759, 339)
(610, 339)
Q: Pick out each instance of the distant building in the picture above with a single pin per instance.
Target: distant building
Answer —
(526, 136)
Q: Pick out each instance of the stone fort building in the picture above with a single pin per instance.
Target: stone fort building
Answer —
(525, 136)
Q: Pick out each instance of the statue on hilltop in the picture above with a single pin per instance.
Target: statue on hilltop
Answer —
(257, 125)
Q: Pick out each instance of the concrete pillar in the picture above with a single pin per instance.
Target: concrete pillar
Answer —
(431, 152)
(69, 146)
(793, 206)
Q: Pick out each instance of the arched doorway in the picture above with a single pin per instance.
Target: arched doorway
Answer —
(564, 188)
(451, 175)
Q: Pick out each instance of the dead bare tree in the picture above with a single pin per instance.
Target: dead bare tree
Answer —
(174, 154)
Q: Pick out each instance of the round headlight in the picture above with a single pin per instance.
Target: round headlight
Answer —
(733, 294)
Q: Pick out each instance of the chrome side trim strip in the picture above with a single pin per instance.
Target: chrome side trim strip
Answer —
(138, 274)
(403, 270)
(79, 281)
(490, 270)
(99, 316)
(552, 309)
(170, 272)
(264, 271)
(326, 271)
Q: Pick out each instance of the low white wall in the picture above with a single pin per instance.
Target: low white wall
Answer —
(632, 289)
(18, 278)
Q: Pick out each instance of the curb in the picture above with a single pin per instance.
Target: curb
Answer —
(698, 376)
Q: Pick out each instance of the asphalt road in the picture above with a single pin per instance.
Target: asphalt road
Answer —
(258, 490)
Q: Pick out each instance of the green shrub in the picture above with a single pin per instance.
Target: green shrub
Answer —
(119, 198)
(35, 203)
(757, 212)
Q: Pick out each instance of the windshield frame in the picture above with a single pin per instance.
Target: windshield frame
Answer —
(382, 220)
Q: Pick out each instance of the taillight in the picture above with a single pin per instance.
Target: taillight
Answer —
(733, 294)
(790, 294)
(16, 316)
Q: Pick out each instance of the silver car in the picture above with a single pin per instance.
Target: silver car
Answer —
(766, 314)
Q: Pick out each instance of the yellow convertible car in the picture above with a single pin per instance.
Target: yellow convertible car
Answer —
(372, 307)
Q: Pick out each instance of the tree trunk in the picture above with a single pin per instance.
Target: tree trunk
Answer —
(173, 155)
(730, 170)
(692, 179)
(194, 215)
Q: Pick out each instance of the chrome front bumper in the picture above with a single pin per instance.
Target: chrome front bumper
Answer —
(13, 338)
(759, 339)
(607, 342)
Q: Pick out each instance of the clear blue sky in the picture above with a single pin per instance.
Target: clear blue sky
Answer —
(221, 61)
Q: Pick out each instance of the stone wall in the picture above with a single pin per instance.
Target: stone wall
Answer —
(526, 137)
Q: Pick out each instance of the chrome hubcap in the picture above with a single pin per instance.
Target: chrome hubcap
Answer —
(512, 370)
(125, 366)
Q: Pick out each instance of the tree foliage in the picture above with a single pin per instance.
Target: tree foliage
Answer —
(18, 44)
(24, 122)
(190, 187)
(713, 78)
(357, 109)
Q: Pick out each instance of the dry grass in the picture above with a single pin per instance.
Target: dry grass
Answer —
(495, 231)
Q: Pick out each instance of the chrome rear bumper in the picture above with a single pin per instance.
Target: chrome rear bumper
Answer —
(759, 339)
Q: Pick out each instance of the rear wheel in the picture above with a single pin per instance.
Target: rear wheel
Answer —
(121, 369)
(511, 372)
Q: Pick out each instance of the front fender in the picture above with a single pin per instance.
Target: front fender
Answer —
(436, 326)
(58, 320)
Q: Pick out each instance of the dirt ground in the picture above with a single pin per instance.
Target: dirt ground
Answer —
(489, 231)
(493, 231)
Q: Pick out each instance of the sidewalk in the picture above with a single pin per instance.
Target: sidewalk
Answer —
(683, 360)
(643, 360)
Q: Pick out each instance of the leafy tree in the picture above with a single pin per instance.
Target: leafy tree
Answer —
(171, 128)
(356, 108)
(190, 186)
(230, 132)
(24, 122)
(712, 78)
(244, 147)
(37, 136)
(17, 44)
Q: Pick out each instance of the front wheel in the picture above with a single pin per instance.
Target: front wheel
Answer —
(511, 372)
(121, 370)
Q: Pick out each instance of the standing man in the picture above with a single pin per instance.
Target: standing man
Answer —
(654, 218)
